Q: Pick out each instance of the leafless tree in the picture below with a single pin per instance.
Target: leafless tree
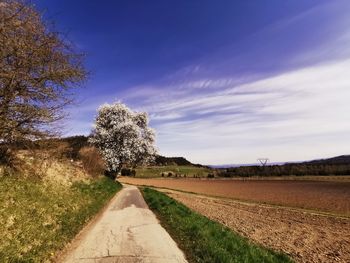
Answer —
(39, 70)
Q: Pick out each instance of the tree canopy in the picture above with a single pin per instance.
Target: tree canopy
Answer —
(123, 136)
(38, 70)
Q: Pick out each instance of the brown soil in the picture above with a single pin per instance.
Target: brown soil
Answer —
(326, 196)
(305, 236)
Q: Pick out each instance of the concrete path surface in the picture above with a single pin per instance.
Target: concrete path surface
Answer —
(126, 232)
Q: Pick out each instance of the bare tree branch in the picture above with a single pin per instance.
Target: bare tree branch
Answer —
(38, 73)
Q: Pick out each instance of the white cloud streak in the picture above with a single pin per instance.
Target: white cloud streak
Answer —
(300, 114)
(303, 114)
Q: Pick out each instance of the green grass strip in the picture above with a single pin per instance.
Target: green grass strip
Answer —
(38, 219)
(204, 240)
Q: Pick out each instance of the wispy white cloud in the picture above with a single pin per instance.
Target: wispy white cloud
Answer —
(281, 92)
(299, 110)
(301, 114)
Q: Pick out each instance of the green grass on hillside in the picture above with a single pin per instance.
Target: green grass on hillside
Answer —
(37, 219)
(204, 240)
(156, 171)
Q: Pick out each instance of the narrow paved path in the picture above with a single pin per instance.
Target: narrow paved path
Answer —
(126, 232)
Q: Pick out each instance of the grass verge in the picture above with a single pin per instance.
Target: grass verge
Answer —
(204, 240)
(38, 218)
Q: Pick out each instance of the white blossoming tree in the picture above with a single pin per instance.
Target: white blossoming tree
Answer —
(123, 137)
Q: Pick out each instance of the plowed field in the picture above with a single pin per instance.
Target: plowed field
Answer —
(294, 227)
(326, 196)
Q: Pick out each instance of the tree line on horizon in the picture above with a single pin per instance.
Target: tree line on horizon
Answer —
(296, 169)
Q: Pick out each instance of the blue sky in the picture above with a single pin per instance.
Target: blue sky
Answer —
(222, 81)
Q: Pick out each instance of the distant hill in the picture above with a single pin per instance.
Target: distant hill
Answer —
(219, 166)
(164, 161)
(339, 165)
(339, 160)
(75, 143)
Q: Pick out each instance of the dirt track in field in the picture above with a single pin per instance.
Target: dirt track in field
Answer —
(323, 196)
(305, 236)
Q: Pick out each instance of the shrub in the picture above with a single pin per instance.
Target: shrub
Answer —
(8, 158)
(128, 172)
(92, 161)
(210, 176)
